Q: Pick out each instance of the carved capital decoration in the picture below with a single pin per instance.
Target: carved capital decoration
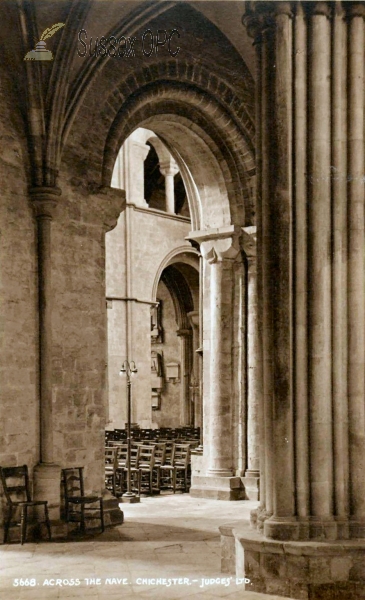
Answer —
(113, 202)
(218, 244)
(260, 17)
(354, 9)
(45, 201)
(248, 241)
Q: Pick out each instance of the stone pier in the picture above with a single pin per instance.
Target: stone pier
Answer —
(310, 148)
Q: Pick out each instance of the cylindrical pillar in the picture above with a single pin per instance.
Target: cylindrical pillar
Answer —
(220, 446)
(185, 336)
(281, 308)
(319, 246)
(339, 269)
(264, 244)
(356, 264)
(195, 383)
(300, 265)
(44, 201)
(46, 473)
(170, 194)
(253, 383)
(45, 336)
(169, 171)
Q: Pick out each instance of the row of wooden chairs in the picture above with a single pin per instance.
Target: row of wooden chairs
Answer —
(178, 433)
(154, 466)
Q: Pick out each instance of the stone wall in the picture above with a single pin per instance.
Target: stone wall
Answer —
(19, 422)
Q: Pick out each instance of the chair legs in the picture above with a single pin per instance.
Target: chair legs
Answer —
(7, 525)
(82, 518)
(23, 523)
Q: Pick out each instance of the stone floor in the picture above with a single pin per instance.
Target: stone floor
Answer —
(174, 539)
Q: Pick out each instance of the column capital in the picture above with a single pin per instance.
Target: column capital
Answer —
(45, 201)
(248, 241)
(221, 243)
(139, 149)
(193, 317)
(113, 203)
(168, 167)
(320, 8)
(354, 9)
(259, 16)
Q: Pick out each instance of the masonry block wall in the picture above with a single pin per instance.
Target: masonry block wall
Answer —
(19, 418)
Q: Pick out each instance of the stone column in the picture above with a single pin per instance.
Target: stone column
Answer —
(195, 384)
(312, 274)
(220, 248)
(220, 447)
(169, 169)
(356, 266)
(277, 213)
(46, 474)
(301, 421)
(252, 473)
(185, 346)
(319, 289)
(339, 280)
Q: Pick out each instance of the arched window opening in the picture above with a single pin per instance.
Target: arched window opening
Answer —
(154, 181)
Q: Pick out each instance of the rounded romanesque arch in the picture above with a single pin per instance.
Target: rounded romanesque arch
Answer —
(197, 115)
(205, 123)
(182, 254)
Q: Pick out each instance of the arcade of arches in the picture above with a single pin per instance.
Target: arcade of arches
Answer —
(200, 206)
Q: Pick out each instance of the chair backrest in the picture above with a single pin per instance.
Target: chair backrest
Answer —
(111, 456)
(15, 481)
(135, 449)
(146, 456)
(192, 443)
(181, 455)
(160, 453)
(73, 482)
(121, 456)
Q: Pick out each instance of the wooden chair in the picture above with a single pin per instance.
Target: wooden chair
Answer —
(111, 467)
(145, 465)
(160, 459)
(15, 481)
(122, 467)
(77, 505)
(179, 467)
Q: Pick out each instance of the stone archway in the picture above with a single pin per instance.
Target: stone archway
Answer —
(215, 162)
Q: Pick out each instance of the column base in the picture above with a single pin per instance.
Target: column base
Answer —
(301, 570)
(113, 515)
(47, 486)
(313, 528)
(129, 499)
(251, 482)
(217, 487)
